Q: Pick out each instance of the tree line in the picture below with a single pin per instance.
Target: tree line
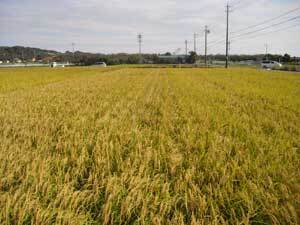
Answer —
(27, 54)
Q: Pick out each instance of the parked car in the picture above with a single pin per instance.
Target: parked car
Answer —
(270, 64)
(55, 64)
(100, 64)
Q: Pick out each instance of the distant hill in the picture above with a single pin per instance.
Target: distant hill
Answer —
(25, 53)
(20, 53)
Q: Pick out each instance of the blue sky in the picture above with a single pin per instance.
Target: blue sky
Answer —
(112, 26)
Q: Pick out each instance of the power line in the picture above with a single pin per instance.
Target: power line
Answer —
(197, 39)
(216, 42)
(236, 3)
(266, 21)
(274, 31)
(219, 43)
(237, 37)
(267, 27)
(242, 6)
(256, 25)
(270, 32)
(255, 36)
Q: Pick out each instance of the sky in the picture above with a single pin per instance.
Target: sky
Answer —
(112, 26)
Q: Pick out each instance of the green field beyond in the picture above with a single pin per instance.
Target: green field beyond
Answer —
(149, 146)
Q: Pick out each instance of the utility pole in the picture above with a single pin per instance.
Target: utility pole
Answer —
(266, 46)
(195, 42)
(140, 46)
(23, 55)
(229, 49)
(73, 49)
(186, 47)
(227, 34)
(206, 31)
(140, 43)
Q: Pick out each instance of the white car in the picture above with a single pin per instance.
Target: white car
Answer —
(270, 64)
(55, 64)
(100, 64)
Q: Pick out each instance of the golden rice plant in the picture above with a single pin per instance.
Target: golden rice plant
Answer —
(149, 146)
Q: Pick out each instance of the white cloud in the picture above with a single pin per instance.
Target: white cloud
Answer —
(112, 26)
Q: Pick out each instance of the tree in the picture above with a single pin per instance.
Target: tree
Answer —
(192, 57)
(133, 59)
(155, 59)
(286, 58)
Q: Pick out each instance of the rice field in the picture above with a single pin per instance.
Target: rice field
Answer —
(149, 146)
